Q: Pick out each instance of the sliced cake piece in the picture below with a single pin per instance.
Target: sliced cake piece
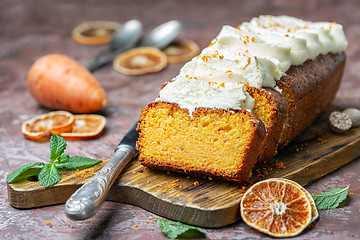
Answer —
(212, 142)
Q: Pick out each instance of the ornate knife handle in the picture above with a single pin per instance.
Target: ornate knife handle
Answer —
(87, 200)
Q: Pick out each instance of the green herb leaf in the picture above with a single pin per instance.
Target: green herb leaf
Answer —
(49, 175)
(57, 146)
(63, 158)
(21, 170)
(77, 163)
(330, 199)
(177, 229)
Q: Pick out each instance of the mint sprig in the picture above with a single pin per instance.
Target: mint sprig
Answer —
(179, 230)
(49, 174)
(330, 199)
(15, 175)
(77, 162)
(57, 147)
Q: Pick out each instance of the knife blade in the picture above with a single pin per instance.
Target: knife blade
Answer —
(87, 200)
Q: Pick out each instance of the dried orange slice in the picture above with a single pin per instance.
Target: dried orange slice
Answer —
(276, 207)
(140, 60)
(181, 51)
(54, 122)
(314, 211)
(94, 32)
(86, 126)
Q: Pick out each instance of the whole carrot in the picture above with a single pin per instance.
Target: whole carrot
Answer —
(58, 82)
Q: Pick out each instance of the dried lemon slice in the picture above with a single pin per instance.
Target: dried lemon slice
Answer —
(86, 126)
(95, 32)
(39, 127)
(181, 51)
(276, 207)
(140, 60)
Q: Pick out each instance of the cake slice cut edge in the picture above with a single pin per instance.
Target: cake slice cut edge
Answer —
(217, 143)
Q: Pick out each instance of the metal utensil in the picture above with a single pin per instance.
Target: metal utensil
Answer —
(87, 200)
(125, 38)
(160, 37)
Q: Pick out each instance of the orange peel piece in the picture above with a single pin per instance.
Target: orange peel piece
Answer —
(140, 61)
(86, 126)
(181, 51)
(276, 207)
(39, 127)
(94, 32)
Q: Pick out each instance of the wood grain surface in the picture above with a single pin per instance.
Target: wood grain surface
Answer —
(202, 202)
(31, 29)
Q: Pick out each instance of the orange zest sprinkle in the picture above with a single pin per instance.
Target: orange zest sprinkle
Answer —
(286, 35)
(196, 182)
(126, 216)
(47, 223)
(205, 58)
(221, 56)
(248, 62)
(215, 54)
(228, 71)
(136, 225)
(351, 193)
(133, 210)
(253, 39)
(316, 192)
(212, 43)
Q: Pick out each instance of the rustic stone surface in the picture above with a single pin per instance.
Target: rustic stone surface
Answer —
(30, 29)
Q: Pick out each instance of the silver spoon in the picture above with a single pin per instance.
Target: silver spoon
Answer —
(125, 38)
(160, 37)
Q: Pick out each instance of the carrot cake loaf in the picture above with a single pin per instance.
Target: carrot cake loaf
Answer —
(246, 95)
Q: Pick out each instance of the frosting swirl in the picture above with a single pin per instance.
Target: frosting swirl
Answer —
(256, 53)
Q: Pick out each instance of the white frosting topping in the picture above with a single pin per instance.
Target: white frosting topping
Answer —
(190, 93)
(256, 54)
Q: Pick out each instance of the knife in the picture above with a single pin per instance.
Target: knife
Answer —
(87, 200)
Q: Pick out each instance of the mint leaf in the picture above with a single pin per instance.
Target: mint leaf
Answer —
(77, 163)
(63, 158)
(330, 199)
(21, 170)
(177, 229)
(49, 175)
(57, 146)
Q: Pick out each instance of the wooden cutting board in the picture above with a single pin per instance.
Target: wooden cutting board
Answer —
(196, 201)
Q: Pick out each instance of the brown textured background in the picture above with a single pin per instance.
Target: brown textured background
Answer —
(30, 29)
